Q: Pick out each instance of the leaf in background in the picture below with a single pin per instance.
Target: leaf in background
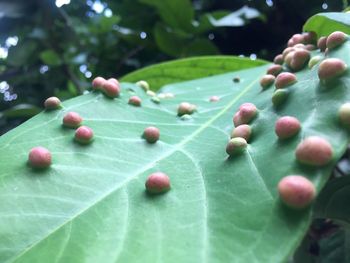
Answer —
(20, 54)
(325, 23)
(21, 110)
(50, 57)
(200, 47)
(236, 18)
(177, 14)
(91, 206)
(169, 41)
(190, 68)
(333, 201)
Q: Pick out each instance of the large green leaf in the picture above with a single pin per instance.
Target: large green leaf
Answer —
(325, 23)
(190, 68)
(91, 206)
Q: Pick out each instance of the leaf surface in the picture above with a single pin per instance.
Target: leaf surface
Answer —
(91, 205)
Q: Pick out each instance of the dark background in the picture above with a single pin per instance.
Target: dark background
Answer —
(49, 50)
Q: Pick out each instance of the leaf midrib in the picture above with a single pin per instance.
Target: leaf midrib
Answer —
(177, 147)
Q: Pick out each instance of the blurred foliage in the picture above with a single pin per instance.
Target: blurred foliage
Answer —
(57, 50)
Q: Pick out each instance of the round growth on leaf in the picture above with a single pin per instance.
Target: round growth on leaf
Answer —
(279, 97)
(236, 79)
(214, 99)
(135, 100)
(310, 37)
(185, 108)
(151, 134)
(296, 191)
(299, 59)
(278, 59)
(236, 146)
(287, 127)
(267, 80)
(274, 69)
(245, 113)
(322, 43)
(39, 157)
(157, 183)
(155, 99)
(84, 135)
(285, 79)
(335, 39)
(344, 114)
(151, 93)
(313, 61)
(97, 83)
(331, 68)
(72, 120)
(52, 103)
(111, 88)
(143, 84)
(314, 151)
(244, 131)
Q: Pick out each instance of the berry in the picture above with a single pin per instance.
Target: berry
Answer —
(236, 146)
(135, 100)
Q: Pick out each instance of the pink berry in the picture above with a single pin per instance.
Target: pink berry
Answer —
(72, 120)
(135, 100)
(97, 83)
(285, 79)
(157, 183)
(274, 69)
(111, 89)
(322, 43)
(287, 127)
(84, 135)
(296, 191)
(52, 103)
(335, 39)
(244, 131)
(39, 157)
(113, 80)
(214, 99)
(331, 68)
(151, 134)
(314, 151)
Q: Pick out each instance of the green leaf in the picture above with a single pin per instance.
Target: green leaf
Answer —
(20, 111)
(50, 57)
(325, 23)
(21, 54)
(177, 14)
(333, 201)
(234, 19)
(91, 205)
(189, 68)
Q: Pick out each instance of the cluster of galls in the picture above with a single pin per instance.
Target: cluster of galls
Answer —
(295, 191)
(41, 158)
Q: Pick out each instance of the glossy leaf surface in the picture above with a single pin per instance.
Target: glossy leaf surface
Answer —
(91, 205)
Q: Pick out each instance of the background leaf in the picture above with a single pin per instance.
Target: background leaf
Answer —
(190, 68)
(325, 23)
